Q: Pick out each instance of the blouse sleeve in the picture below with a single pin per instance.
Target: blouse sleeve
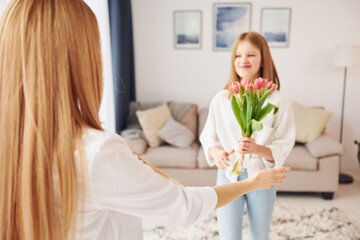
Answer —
(208, 136)
(283, 137)
(120, 182)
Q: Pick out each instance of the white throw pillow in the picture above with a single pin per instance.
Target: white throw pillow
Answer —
(325, 146)
(176, 134)
(151, 120)
(310, 122)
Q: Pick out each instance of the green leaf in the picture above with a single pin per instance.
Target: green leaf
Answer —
(261, 102)
(248, 130)
(249, 109)
(253, 104)
(243, 114)
(257, 98)
(255, 125)
(237, 111)
(266, 110)
(235, 107)
(276, 109)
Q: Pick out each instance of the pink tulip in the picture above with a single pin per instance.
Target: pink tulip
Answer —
(245, 81)
(249, 87)
(264, 82)
(258, 83)
(236, 87)
(271, 85)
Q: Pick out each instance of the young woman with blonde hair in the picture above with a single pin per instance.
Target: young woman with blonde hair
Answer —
(266, 149)
(61, 175)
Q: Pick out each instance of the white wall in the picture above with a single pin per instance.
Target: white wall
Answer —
(107, 110)
(2, 4)
(317, 27)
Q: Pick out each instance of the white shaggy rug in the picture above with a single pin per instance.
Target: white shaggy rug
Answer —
(288, 223)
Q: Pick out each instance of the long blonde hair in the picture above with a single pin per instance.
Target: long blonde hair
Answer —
(50, 91)
(267, 70)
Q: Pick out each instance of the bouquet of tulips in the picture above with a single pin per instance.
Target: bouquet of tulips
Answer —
(247, 105)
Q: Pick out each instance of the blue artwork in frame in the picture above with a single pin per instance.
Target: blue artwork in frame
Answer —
(230, 20)
(275, 26)
(187, 29)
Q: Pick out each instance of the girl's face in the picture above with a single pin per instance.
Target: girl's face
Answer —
(247, 61)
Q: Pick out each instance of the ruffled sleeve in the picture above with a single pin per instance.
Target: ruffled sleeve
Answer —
(283, 138)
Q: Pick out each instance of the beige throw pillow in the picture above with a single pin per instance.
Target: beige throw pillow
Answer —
(189, 119)
(151, 120)
(310, 122)
(176, 134)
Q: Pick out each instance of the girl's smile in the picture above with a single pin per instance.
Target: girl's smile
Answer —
(248, 61)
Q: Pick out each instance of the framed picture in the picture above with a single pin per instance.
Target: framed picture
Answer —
(275, 26)
(187, 29)
(230, 20)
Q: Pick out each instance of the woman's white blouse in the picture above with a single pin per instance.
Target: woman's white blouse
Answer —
(121, 190)
(222, 129)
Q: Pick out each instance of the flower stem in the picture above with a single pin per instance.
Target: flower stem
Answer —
(235, 169)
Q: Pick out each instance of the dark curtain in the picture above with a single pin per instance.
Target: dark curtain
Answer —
(122, 52)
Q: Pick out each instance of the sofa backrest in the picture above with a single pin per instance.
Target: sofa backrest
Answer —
(203, 114)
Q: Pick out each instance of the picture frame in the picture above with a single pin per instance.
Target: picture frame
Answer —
(187, 29)
(229, 21)
(275, 26)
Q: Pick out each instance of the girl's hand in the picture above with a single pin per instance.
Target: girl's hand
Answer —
(221, 158)
(264, 179)
(247, 146)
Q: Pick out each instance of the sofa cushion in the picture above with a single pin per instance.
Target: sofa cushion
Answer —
(201, 160)
(151, 121)
(137, 145)
(203, 114)
(173, 157)
(325, 146)
(132, 120)
(176, 134)
(300, 159)
(310, 122)
(178, 111)
(189, 119)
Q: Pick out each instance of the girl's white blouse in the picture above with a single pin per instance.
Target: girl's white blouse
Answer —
(222, 129)
(121, 190)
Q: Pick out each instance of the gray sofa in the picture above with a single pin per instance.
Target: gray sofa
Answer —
(315, 166)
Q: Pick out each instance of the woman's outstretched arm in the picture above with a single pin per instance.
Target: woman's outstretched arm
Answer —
(261, 180)
(228, 192)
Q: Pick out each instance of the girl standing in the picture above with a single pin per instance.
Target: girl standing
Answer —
(267, 148)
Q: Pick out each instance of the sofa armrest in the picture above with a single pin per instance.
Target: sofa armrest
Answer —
(325, 146)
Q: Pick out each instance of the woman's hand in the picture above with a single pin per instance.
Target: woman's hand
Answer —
(264, 179)
(221, 158)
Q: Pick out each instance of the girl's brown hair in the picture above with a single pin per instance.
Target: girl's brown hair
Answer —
(50, 91)
(267, 70)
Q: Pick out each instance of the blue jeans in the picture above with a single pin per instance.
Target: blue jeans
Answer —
(259, 203)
